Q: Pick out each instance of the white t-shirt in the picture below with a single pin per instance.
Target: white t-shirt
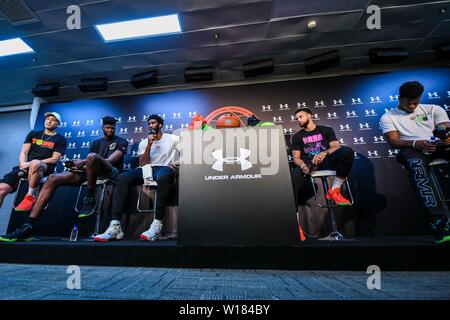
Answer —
(162, 152)
(413, 126)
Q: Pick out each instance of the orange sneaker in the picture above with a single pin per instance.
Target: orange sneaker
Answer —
(336, 196)
(26, 204)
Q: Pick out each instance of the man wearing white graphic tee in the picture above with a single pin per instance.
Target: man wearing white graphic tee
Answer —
(156, 157)
(410, 127)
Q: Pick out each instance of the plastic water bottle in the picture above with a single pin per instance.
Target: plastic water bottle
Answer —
(74, 233)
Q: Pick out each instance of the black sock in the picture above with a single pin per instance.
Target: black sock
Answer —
(90, 193)
(32, 221)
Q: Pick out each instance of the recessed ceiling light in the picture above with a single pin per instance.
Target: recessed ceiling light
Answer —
(13, 46)
(140, 28)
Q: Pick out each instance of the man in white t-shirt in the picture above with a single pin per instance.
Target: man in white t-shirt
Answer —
(409, 127)
(156, 157)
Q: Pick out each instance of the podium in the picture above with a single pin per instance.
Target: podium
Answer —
(236, 189)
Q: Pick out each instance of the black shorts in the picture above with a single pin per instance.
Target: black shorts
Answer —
(12, 178)
(111, 175)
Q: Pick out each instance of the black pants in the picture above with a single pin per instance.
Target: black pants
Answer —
(341, 160)
(419, 172)
(164, 176)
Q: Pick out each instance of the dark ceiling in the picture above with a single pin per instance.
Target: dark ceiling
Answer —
(220, 33)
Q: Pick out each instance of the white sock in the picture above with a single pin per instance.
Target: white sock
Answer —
(33, 191)
(157, 221)
(337, 183)
(115, 222)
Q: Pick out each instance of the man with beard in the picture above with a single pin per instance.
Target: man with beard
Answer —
(409, 127)
(316, 147)
(156, 158)
(104, 161)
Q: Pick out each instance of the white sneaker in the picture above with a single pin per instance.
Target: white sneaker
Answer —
(114, 232)
(154, 232)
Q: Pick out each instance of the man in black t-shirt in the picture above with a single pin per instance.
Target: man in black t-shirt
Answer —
(317, 148)
(105, 161)
(40, 152)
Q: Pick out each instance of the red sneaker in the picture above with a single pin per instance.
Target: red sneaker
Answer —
(336, 196)
(26, 204)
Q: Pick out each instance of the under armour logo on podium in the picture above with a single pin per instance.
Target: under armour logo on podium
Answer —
(242, 159)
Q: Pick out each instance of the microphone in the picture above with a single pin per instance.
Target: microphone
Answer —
(21, 173)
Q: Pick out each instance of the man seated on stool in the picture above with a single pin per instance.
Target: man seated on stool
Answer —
(39, 155)
(104, 161)
(156, 154)
(410, 127)
(316, 148)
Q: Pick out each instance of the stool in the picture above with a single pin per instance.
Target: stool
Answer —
(433, 168)
(102, 183)
(152, 186)
(335, 235)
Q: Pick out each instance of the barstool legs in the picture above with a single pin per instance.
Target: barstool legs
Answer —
(335, 235)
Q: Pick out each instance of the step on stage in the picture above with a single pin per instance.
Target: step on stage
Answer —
(393, 253)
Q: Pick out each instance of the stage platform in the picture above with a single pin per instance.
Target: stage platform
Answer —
(393, 253)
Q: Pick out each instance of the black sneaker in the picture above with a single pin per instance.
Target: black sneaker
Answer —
(89, 207)
(441, 230)
(23, 233)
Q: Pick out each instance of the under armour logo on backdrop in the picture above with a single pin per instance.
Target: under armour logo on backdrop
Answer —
(242, 159)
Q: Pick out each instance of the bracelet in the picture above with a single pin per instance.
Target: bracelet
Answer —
(414, 144)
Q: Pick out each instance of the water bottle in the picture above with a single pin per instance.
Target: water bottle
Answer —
(74, 233)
